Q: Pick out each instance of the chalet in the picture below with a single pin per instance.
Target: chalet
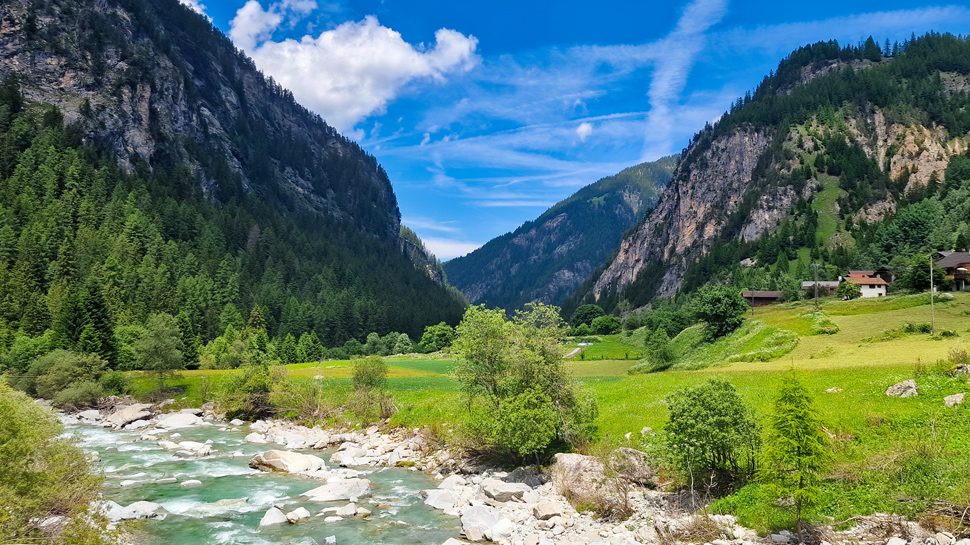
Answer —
(957, 266)
(761, 298)
(881, 272)
(825, 287)
(870, 286)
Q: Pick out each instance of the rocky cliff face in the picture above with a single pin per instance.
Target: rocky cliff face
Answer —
(547, 259)
(691, 213)
(155, 84)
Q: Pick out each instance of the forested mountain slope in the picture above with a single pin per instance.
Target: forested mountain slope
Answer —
(841, 157)
(547, 259)
(146, 166)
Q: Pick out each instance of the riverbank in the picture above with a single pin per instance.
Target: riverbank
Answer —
(466, 501)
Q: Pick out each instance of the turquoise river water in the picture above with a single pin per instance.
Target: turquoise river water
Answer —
(233, 498)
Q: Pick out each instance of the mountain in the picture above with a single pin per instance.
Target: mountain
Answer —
(547, 259)
(148, 166)
(844, 155)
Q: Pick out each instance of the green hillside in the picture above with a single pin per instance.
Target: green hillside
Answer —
(546, 259)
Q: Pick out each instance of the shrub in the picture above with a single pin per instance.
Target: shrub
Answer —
(116, 383)
(660, 352)
(849, 290)
(56, 372)
(43, 475)
(605, 325)
(370, 373)
(722, 308)
(524, 425)
(712, 435)
(79, 394)
(585, 314)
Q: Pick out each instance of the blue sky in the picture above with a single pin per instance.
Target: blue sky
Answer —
(484, 114)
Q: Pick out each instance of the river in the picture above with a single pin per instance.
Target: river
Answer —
(228, 505)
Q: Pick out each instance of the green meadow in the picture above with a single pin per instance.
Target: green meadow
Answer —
(890, 454)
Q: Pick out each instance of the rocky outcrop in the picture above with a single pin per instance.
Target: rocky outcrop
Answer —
(906, 388)
(164, 87)
(691, 213)
(547, 259)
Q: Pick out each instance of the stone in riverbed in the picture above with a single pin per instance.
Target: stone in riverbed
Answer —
(298, 514)
(503, 491)
(178, 421)
(451, 482)
(257, 438)
(129, 414)
(190, 483)
(140, 510)
(545, 510)
(343, 489)
(196, 412)
(236, 422)
(273, 516)
(441, 499)
(290, 462)
(477, 521)
(453, 541)
(92, 415)
(348, 510)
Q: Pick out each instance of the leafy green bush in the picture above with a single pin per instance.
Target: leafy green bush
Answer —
(821, 323)
(585, 314)
(722, 308)
(369, 373)
(524, 426)
(605, 325)
(43, 475)
(849, 290)
(712, 436)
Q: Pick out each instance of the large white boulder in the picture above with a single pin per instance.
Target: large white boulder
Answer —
(257, 438)
(503, 491)
(441, 499)
(453, 481)
(502, 531)
(477, 522)
(178, 420)
(273, 516)
(290, 462)
(545, 510)
(349, 457)
(140, 510)
(129, 414)
(341, 489)
(92, 415)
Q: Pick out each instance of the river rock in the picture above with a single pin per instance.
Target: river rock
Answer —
(348, 510)
(453, 541)
(341, 489)
(137, 424)
(532, 476)
(440, 498)
(178, 420)
(298, 514)
(476, 521)
(236, 422)
(294, 441)
(954, 400)
(906, 388)
(896, 541)
(452, 482)
(92, 415)
(257, 438)
(545, 510)
(140, 510)
(190, 483)
(503, 491)
(111, 510)
(273, 516)
(348, 457)
(632, 466)
(290, 462)
(129, 414)
(502, 531)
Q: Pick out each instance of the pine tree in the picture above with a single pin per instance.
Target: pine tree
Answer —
(796, 449)
(287, 351)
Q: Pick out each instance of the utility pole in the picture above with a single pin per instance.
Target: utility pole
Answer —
(932, 296)
(816, 266)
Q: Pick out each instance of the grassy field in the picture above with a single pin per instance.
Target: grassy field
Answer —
(890, 454)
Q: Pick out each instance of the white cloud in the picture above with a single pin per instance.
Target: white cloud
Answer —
(584, 130)
(445, 249)
(352, 71)
(428, 224)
